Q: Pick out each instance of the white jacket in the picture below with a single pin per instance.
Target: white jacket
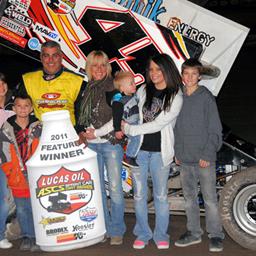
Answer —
(164, 122)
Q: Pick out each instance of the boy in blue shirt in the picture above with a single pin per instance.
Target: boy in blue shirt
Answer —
(124, 103)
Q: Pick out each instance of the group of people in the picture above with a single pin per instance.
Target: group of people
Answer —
(169, 118)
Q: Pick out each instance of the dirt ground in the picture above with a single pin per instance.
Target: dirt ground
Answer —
(177, 227)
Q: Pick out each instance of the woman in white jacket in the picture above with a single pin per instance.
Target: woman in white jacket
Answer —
(160, 101)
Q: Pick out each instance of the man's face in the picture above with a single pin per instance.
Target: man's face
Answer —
(51, 58)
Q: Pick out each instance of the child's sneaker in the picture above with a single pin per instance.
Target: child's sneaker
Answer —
(138, 244)
(162, 245)
(5, 244)
(131, 162)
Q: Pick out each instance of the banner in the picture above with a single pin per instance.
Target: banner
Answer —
(128, 31)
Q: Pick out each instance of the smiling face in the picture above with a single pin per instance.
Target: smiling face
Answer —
(3, 88)
(22, 107)
(157, 76)
(51, 58)
(190, 77)
(98, 70)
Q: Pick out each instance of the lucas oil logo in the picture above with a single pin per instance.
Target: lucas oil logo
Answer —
(65, 191)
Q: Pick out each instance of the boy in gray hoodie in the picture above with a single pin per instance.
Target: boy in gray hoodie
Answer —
(198, 137)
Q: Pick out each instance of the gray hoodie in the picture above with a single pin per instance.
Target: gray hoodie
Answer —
(198, 130)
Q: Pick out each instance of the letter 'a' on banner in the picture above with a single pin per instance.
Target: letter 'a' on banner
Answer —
(129, 31)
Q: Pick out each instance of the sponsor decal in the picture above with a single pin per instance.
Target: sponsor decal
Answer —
(51, 96)
(45, 32)
(66, 238)
(34, 44)
(54, 191)
(82, 228)
(12, 37)
(61, 6)
(21, 18)
(53, 220)
(21, 4)
(51, 100)
(88, 214)
(151, 9)
(190, 32)
(12, 26)
(56, 231)
(77, 196)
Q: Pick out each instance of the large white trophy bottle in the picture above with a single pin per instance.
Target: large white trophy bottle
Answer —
(65, 188)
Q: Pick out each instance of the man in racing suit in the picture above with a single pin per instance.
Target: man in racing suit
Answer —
(53, 87)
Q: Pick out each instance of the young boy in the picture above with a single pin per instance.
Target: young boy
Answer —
(21, 132)
(124, 105)
(198, 136)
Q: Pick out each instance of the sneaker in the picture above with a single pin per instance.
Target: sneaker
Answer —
(25, 244)
(5, 244)
(116, 240)
(34, 247)
(216, 244)
(131, 162)
(162, 245)
(187, 239)
(138, 244)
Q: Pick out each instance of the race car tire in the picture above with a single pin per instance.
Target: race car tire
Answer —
(237, 205)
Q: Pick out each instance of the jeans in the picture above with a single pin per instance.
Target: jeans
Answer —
(151, 162)
(4, 206)
(24, 216)
(111, 157)
(190, 175)
(132, 146)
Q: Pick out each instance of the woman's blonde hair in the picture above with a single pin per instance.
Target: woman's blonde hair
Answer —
(97, 57)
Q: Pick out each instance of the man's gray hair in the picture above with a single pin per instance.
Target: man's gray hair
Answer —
(50, 44)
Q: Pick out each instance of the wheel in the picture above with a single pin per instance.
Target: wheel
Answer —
(238, 208)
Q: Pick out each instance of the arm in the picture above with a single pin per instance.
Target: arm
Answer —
(105, 129)
(214, 129)
(163, 119)
(117, 112)
(79, 128)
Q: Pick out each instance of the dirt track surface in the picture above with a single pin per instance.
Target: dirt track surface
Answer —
(177, 227)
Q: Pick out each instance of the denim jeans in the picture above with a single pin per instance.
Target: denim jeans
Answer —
(24, 216)
(133, 145)
(111, 157)
(151, 162)
(190, 175)
(4, 206)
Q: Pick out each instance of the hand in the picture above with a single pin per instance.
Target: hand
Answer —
(203, 163)
(178, 162)
(82, 139)
(89, 133)
(119, 135)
